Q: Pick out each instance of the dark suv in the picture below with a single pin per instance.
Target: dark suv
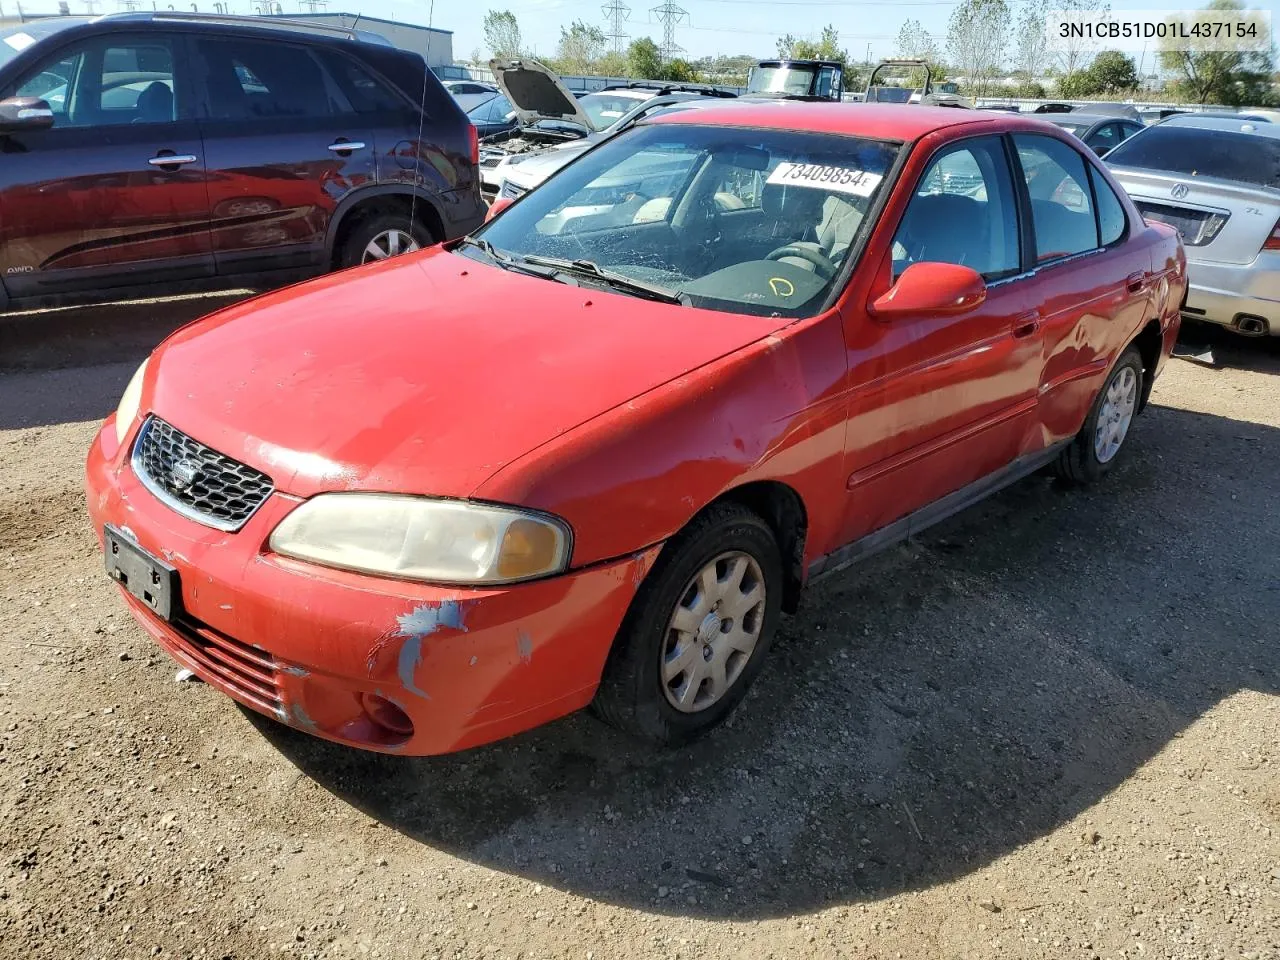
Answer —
(153, 153)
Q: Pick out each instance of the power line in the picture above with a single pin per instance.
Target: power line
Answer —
(616, 13)
(669, 14)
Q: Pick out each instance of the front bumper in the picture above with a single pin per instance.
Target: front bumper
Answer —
(306, 645)
(1224, 293)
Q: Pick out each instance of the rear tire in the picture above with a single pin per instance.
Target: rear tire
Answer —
(698, 630)
(1105, 433)
(380, 236)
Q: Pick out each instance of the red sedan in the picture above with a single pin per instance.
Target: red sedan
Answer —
(589, 454)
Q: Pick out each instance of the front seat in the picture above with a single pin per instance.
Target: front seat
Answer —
(797, 213)
(155, 104)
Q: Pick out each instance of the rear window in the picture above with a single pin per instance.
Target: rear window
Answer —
(1203, 153)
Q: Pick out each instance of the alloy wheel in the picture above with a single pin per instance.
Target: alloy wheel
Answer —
(389, 243)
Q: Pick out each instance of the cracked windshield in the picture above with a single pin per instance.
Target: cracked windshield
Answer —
(744, 221)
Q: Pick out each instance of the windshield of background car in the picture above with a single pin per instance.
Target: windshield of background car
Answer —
(606, 109)
(731, 219)
(1193, 152)
(792, 80)
(1073, 126)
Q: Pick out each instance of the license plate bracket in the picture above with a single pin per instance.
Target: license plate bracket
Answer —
(149, 579)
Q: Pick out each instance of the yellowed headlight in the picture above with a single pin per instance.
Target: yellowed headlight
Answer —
(127, 411)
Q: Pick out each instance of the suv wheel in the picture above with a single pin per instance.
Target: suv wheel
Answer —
(382, 236)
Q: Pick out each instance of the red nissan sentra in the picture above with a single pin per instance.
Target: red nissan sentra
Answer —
(590, 453)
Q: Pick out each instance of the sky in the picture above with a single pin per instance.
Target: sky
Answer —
(711, 27)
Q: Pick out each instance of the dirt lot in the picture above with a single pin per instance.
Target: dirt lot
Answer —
(1049, 728)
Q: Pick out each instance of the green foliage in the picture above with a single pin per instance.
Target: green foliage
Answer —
(977, 35)
(579, 49)
(502, 33)
(826, 47)
(644, 59)
(679, 71)
(1113, 72)
(1231, 78)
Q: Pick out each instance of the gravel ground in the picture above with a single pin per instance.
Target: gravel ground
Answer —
(1048, 728)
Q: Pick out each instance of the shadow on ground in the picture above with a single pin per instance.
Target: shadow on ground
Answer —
(924, 714)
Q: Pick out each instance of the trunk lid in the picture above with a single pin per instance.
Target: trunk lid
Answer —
(1220, 221)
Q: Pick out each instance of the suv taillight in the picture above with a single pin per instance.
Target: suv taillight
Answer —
(475, 142)
(1273, 241)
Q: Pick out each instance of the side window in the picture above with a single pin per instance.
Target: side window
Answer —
(249, 79)
(98, 84)
(1111, 218)
(1061, 211)
(1105, 137)
(963, 211)
(365, 93)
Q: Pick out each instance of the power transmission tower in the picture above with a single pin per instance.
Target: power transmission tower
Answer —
(91, 6)
(314, 6)
(616, 14)
(669, 15)
(129, 6)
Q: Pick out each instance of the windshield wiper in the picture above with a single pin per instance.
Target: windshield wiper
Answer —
(619, 281)
(506, 261)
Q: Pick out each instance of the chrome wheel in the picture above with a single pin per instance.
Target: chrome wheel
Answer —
(713, 631)
(1118, 405)
(389, 243)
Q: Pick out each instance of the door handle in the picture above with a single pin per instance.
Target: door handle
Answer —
(1027, 324)
(345, 146)
(1136, 282)
(173, 160)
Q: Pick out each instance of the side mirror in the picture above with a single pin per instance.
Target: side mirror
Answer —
(25, 113)
(497, 207)
(932, 289)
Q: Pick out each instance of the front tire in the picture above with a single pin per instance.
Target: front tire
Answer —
(698, 630)
(1098, 445)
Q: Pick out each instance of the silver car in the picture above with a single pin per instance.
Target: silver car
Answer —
(1217, 181)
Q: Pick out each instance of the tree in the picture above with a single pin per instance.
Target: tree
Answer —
(613, 64)
(579, 48)
(1031, 40)
(826, 47)
(1113, 72)
(644, 59)
(915, 44)
(1073, 54)
(679, 71)
(1228, 77)
(502, 33)
(976, 39)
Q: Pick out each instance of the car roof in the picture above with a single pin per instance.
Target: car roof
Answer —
(879, 121)
(1085, 118)
(1225, 124)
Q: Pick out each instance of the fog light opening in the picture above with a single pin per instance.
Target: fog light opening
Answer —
(386, 714)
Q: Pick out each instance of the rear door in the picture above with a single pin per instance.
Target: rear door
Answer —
(1093, 285)
(283, 146)
(114, 193)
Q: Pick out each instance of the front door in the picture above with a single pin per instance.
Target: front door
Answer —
(113, 194)
(938, 403)
(284, 147)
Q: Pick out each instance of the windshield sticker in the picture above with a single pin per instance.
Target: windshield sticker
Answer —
(20, 41)
(859, 183)
(781, 286)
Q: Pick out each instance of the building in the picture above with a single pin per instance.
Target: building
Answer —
(435, 45)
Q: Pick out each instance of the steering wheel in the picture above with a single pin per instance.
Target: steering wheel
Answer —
(822, 264)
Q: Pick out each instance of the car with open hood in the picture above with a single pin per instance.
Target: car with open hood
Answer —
(588, 454)
(542, 118)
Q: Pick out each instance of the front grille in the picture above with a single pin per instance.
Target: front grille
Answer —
(248, 671)
(510, 191)
(1197, 227)
(196, 481)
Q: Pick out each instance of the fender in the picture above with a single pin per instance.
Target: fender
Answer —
(371, 192)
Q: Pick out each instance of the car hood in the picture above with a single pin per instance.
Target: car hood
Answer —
(537, 94)
(425, 374)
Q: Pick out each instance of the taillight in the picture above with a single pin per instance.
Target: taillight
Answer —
(475, 142)
(1273, 241)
